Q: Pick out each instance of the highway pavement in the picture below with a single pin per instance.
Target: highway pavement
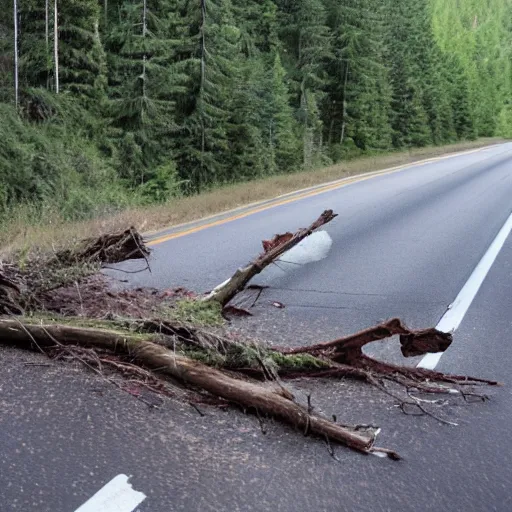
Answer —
(404, 244)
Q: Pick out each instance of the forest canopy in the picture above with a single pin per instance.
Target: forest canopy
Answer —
(142, 100)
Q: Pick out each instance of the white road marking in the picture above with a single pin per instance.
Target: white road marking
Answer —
(451, 320)
(116, 496)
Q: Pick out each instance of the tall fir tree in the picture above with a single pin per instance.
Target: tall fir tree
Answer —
(359, 91)
(307, 40)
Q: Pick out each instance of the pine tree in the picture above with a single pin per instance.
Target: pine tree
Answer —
(307, 39)
(281, 126)
(181, 95)
(409, 118)
(258, 24)
(142, 107)
(207, 55)
(359, 91)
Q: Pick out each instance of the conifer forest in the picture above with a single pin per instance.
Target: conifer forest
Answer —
(103, 103)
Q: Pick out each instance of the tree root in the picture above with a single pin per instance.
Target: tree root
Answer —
(413, 342)
(346, 359)
(109, 248)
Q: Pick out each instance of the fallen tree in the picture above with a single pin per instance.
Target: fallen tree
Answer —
(275, 401)
(129, 339)
(166, 349)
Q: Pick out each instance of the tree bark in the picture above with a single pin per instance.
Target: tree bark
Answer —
(56, 45)
(16, 72)
(270, 400)
(273, 250)
(413, 342)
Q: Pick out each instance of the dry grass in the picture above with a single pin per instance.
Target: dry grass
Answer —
(50, 230)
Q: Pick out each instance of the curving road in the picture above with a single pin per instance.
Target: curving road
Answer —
(405, 243)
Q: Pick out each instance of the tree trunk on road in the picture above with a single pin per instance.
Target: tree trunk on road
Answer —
(272, 400)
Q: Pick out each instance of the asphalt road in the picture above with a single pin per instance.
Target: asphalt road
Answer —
(404, 244)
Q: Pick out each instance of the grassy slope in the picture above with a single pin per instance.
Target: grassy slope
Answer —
(25, 230)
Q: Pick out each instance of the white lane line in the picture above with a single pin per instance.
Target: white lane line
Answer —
(116, 496)
(451, 320)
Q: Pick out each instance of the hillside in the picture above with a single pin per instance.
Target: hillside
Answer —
(154, 99)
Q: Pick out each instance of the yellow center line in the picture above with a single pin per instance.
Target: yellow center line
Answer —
(303, 195)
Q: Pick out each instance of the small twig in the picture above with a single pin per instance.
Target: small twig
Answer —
(425, 412)
(95, 370)
(290, 262)
(308, 425)
(310, 407)
(29, 334)
(478, 398)
(80, 297)
(201, 413)
(263, 428)
(384, 451)
(281, 269)
(330, 449)
(127, 271)
(142, 251)
(260, 291)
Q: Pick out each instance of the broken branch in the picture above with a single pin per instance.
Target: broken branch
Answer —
(348, 348)
(273, 401)
(272, 250)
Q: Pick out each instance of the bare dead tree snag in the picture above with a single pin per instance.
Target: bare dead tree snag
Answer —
(274, 401)
(273, 249)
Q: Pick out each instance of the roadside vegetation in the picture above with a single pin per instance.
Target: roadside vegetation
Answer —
(28, 227)
(151, 103)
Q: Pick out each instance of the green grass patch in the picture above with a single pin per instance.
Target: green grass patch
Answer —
(197, 312)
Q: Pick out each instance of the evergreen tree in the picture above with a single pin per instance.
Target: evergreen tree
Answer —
(208, 50)
(359, 91)
(280, 125)
(174, 96)
(409, 118)
(142, 105)
(307, 39)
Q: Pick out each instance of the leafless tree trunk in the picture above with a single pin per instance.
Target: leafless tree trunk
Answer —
(144, 57)
(307, 143)
(344, 112)
(203, 79)
(46, 24)
(273, 400)
(47, 38)
(56, 45)
(16, 86)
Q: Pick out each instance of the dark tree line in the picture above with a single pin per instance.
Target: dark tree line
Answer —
(160, 97)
